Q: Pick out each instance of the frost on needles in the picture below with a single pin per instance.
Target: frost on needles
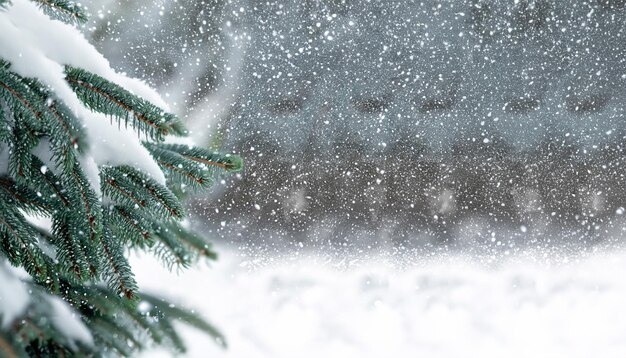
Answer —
(86, 172)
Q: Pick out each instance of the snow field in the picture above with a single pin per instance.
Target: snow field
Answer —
(312, 306)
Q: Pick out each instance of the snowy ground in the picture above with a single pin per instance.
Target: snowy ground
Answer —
(453, 306)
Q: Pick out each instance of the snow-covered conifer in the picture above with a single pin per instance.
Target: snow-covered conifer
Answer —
(88, 168)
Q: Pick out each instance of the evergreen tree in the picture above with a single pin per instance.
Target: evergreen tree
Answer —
(69, 211)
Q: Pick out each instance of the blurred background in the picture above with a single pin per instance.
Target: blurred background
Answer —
(469, 151)
(392, 123)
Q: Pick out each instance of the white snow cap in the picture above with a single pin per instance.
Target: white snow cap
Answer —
(67, 321)
(13, 295)
(38, 46)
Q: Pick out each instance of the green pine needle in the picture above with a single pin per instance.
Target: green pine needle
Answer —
(170, 249)
(20, 100)
(106, 97)
(195, 243)
(71, 250)
(23, 197)
(128, 225)
(18, 245)
(196, 167)
(132, 188)
(165, 310)
(66, 11)
(116, 269)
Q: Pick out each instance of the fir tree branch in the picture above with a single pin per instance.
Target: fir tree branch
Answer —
(87, 203)
(23, 142)
(106, 335)
(109, 98)
(225, 162)
(83, 219)
(7, 349)
(126, 193)
(69, 253)
(172, 335)
(17, 243)
(66, 11)
(177, 128)
(36, 113)
(117, 272)
(46, 182)
(52, 282)
(192, 177)
(87, 242)
(19, 98)
(32, 103)
(28, 330)
(97, 302)
(132, 188)
(5, 126)
(170, 250)
(24, 198)
(37, 332)
(128, 226)
(165, 310)
(62, 120)
(193, 166)
(60, 125)
(191, 240)
(124, 340)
